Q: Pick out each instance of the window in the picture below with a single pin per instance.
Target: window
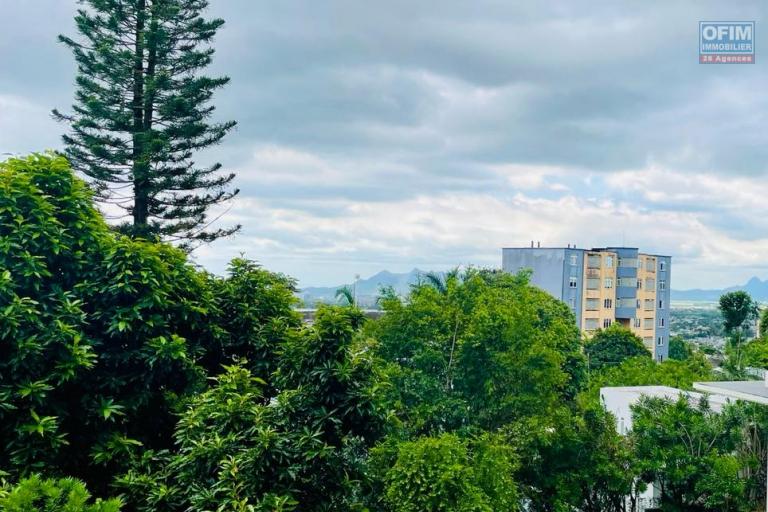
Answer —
(608, 303)
(662, 266)
(593, 304)
(661, 304)
(607, 323)
(660, 341)
(626, 303)
(637, 323)
(573, 282)
(639, 284)
(574, 260)
(572, 302)
(627, 262)
(609, 262)
(637, 304)
(593, 261)
(650, 283)
(629, 282)
(590, 324)
(648, 305)
(609, 282)
(650, 265)
(661, 322)
(647, 323)
(593, 284)
(659, 358)
(662, 285)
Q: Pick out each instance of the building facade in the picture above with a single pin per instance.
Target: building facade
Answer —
(604, 286)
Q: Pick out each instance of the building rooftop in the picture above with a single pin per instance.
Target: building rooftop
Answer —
(716, 402)
(574, 248)
(749, 390)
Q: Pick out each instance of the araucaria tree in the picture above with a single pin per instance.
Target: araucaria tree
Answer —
(142, 110)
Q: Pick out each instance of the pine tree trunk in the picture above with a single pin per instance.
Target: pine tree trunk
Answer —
(140, 164)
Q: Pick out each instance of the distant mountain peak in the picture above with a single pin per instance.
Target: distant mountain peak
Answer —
(756, 287)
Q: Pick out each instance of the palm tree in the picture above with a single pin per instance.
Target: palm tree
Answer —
(439, 280)
(346, 295)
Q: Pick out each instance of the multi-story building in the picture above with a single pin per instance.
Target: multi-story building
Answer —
(603, 286)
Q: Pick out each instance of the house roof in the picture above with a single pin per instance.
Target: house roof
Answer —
(749, 390)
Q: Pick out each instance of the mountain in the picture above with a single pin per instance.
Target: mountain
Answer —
(366, 289)
(756, 287)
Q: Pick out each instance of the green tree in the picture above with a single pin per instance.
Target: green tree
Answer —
(643, 371)
(763, 327)
(737, 308)
(35, 494)
(612, 346)
(142, 110)
(253, 313)
(434, 474)
(575, 460)
(484, 350)
(346, 295)
(756, 353)
(103, 336)
(679, 349)
(303, 450)
(689, 451)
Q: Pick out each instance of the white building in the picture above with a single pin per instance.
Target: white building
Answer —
(619, 401)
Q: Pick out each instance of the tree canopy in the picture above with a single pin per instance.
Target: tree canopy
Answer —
(125, 366)
(612, 346)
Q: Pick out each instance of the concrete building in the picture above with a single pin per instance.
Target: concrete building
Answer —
(603, 286)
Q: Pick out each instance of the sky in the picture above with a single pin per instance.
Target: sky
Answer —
(430, 134)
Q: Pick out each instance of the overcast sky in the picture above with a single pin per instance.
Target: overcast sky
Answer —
(400, 134)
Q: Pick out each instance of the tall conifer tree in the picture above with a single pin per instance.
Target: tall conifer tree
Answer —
(143, 109)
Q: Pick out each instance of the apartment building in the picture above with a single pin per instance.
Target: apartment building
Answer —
(603, 286)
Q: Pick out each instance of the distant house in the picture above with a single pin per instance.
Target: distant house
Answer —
(619, 401)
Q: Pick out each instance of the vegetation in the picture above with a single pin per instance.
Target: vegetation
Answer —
(690, 451)
(142, 111)
(679, 349)
(50, 495)
(124, 366)
(739, 311)
(612, 346)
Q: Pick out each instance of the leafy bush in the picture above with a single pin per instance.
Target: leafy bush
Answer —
(102, 335)
(444, 473)
(34, 494)
(302, 450)
(612, 346)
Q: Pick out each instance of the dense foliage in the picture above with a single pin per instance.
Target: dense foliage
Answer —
(613, 345)
(102, 334)
(433, 474)
(689, 450)
(51, 495)
(484, 349)
(127, 367)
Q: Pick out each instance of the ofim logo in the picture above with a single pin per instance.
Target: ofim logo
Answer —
(727, 42)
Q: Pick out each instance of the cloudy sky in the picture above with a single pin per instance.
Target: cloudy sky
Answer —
(401, 134)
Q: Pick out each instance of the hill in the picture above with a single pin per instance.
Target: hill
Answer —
(756, 287)
(366, 289)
